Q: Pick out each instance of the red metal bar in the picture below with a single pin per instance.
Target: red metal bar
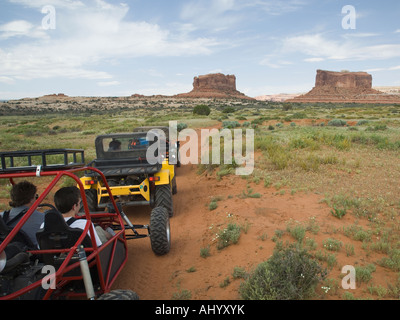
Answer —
(64, 268)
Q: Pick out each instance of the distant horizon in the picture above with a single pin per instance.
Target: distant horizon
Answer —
(156, 47)
(127, 96)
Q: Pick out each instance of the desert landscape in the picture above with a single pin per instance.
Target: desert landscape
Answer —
(326, 179)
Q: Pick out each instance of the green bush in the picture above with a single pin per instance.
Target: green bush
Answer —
(229, 109)
(290, 274)
(337, 123)
(202, 110)
(228, 236)
(230, 124)
(362, 122)
(181, 126)
(332, 244)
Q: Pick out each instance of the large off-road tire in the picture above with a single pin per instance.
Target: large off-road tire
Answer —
(163, 198)
(91, 198)
(174, 186)
(119, 295)
(160, 233)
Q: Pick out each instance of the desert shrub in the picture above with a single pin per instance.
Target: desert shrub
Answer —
(338, 213)
(377, 127)
(205, 252)
(337, 123)
(364, 274)
(238, 273)
(393, 261)
(202, 110)
(181, 126)
(290, 274)
(296, 230)
(287, 107)
(362, 122)
(230, 124)
(299, 115)
(213, 205)
(332, 244)
(182, 295)
(229, 109)
(228, 236)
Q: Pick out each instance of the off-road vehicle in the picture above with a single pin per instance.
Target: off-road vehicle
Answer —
(137, 168)
(68, 263)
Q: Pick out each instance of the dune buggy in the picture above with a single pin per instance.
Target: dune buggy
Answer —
(137, 168)
(68, 263)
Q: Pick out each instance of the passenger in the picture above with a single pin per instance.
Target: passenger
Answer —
(115, 145)
(23, 195)
(68, 202)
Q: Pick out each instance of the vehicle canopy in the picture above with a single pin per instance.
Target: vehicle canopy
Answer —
(105, 261)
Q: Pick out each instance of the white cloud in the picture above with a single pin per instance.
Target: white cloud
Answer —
(20, 28)
(360, 35)
(277, 7)
(69, 4)
(314, 59)
(108, 83)
(274, 62)
(84, 38)
(214, 15)
(218, 15)
(394, 68)
(7, 80)
(318, 46)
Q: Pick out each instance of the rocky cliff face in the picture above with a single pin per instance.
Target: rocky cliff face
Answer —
(359, 80)
(212, 82)
(215, 85)
(344, 87)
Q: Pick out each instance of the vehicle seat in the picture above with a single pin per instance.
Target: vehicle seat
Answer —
(56, 234)
(20, 237)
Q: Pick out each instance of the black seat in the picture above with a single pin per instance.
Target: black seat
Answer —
(56, 234)
(20, 237)
(16, 250)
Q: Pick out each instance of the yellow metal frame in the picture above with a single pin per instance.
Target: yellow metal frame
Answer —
(126, 190)
(166, 174)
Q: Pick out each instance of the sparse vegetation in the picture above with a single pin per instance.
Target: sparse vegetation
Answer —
(205, 252)
(229, 235)
(290, 274)
(202, 110)
(350, 166)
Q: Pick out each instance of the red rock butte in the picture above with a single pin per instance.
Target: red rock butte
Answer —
(215, 85)
(350, 87)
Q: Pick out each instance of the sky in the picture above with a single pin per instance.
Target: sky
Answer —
(120, 48)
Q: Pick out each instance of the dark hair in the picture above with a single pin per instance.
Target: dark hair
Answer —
(66, 198)
(22, 193)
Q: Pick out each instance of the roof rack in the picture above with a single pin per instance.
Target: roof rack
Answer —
(41, 160)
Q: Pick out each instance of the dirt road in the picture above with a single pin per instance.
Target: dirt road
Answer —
(194, 227)
(183, 273)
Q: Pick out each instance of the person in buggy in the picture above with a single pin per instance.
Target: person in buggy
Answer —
(23, 195)
(68, 202)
